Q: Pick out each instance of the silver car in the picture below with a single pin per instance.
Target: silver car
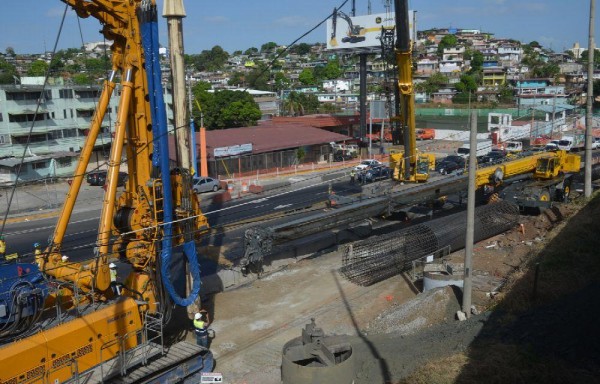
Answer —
(206, 184)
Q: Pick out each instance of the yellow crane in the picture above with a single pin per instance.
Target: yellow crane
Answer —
(86, 330)
(409, 165)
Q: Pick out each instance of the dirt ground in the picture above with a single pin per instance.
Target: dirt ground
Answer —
(387, 322)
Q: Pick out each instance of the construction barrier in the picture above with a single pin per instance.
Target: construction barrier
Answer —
(244, 187)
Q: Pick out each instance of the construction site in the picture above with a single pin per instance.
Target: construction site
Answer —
(484, 273)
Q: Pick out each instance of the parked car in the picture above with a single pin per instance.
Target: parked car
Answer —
(374, 174)
(98, 178)
(206, 184)
(552, 146)
(365, 164)
(596, 143)
(492, 157)
(342, 156)
(450, 164)
(425, 134)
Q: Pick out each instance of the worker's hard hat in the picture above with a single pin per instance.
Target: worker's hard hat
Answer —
(35, 245)
(112, 265)
(65, 258)
(197, 316)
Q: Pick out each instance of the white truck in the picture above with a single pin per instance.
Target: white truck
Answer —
(483, 147)
(572, 142)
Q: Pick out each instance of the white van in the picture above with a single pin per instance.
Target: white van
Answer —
(483, 147)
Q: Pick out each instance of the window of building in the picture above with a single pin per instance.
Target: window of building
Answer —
(85, 113)
(1, 118)
(39, 165)
(65, 93)
(65, 162)
(55, 135)
(27, 117)
(87, 93)
(4, 139)
(22, 95)
(70, 132)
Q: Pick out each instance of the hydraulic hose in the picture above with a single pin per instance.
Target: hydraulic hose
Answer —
(149, 29)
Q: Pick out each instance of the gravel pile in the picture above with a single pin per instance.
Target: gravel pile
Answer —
(432, 307)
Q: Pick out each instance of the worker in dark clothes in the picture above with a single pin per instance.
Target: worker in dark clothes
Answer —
(201, 329)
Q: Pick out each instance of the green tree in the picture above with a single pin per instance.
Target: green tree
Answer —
(585, 56)
(281, 81)
(292, 105)
(549, 70)
(506, 94)
(306, 77)
(476, 62)
(237, 79)
(210, 60)
(7, 71)
(467, 84)
(230, 109)
(251, 51)
(268, 47)
(330, 71)
(259, 77)
(38, 68)
(433, 84)
(81, 79)
(10, 51)
(447, 41)
(97, 66)
(301, 49)
(310, 102)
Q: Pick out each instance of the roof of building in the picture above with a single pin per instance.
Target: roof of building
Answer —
(13, 161)
(266, 137)
(269, 137)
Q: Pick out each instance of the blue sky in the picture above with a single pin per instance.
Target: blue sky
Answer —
(32, 26)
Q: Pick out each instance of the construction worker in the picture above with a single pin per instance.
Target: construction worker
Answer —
(37, 253)
(113, 278)
(2, 248)
(201, 329)
(352, 176)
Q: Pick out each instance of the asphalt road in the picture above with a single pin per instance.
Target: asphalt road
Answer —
(80, 239)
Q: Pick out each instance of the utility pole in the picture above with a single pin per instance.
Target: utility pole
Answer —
(467, 282)
(587, 186)
(174, 12)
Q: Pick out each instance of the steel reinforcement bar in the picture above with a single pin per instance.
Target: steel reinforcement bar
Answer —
(381, 257)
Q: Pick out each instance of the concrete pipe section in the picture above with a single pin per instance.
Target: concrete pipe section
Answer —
(314, 358)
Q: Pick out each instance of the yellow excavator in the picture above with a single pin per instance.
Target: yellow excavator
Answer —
(409, 165)
(61, 320)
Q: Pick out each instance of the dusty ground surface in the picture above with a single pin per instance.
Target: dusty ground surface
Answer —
(393, 328)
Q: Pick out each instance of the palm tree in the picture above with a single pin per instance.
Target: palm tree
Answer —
(292, 105)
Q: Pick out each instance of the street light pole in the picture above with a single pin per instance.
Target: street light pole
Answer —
(587, 186)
